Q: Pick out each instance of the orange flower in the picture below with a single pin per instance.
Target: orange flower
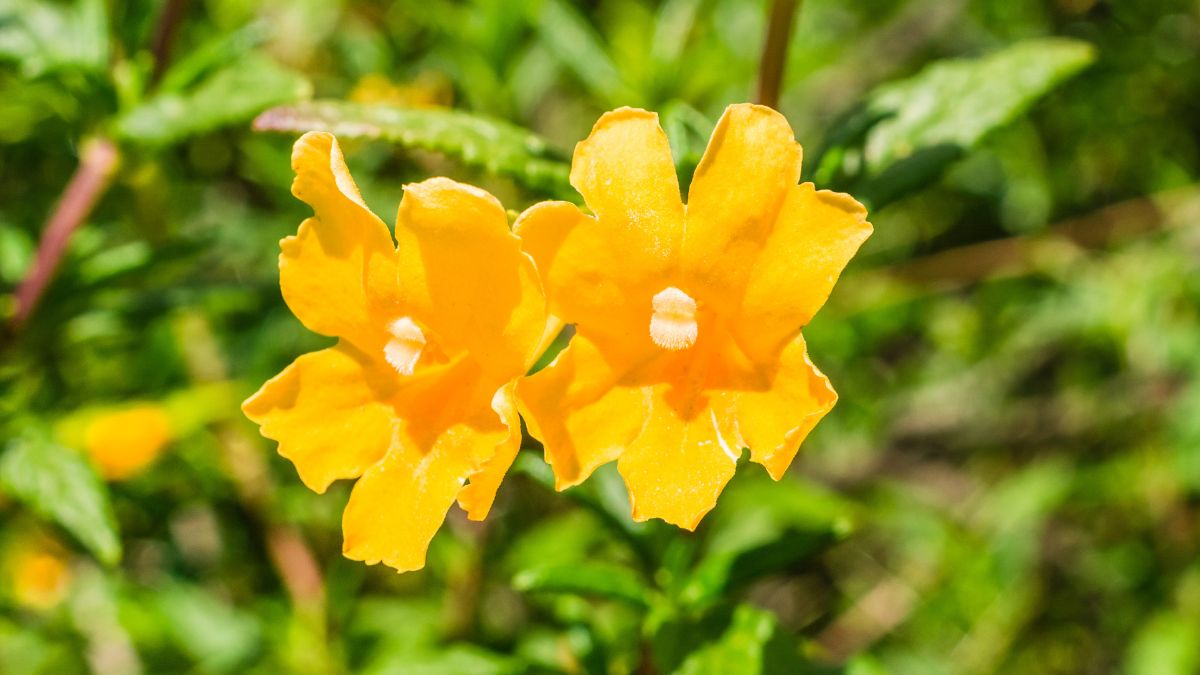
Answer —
(688, 344)
(123, 443)
(417, 396)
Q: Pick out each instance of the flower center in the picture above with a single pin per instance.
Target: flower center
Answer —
(673, 325)
(404, 349)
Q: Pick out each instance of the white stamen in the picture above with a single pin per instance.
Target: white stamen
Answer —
(404, 349)
(673, 325)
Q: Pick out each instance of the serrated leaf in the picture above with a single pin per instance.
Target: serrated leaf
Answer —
(910, 131)
(589, 579)
(61, 486)
(493, 145)
(231, 95)
(958, 102)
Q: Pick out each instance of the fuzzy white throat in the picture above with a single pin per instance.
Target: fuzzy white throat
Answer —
(404, 349)
(673, 325)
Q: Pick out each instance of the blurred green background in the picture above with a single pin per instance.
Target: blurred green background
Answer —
(1009, 484)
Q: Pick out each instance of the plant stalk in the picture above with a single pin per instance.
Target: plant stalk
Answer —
(91, 180)
(774, 56)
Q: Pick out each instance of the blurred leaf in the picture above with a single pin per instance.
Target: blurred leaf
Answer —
(215, 634)
(230, 96)
(574, 42)
(1167, 645)
(496, 146)
(455, 659)
(44, 37)
(721, 573)
(752, 645)
(741, 639)
(60, 485)
(213, 54)
(586, 578)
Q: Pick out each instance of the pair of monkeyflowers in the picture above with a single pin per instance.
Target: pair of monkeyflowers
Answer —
(687, 344)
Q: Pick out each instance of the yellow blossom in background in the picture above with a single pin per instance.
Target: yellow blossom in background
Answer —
(427, 90)
(417, 398)
(688, 318)
(38, 575)
(122, 443)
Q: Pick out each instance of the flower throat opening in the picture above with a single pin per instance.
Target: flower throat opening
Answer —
(404, 349)
(673, 325)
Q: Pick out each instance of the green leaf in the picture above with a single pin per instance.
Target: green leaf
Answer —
(749, 641)
(958, 102)
(573, 41)
(1166, 645)
(493, 145)
(212, 632)
(60, 485)
(586, 578)
(221, 50)
(453, 659)
(909, 132)
(721, 573)
(47, 37)
(232, 95)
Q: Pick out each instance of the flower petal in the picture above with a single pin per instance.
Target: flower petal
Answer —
(680, 463)
(580, 413)
(751, 162)
(328, 412)
(477, 497)
(462, 273)
(626, 175)
(339, 269)
(774, 422)
(581, 269)
(817, 233)
(449, 431)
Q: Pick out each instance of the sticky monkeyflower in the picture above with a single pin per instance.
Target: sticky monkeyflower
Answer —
(38, 575)
(687, 345)
(123, 443)
(417, 398)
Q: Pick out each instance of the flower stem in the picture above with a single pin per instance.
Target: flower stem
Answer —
(169, 21)
(90, 181)
(774, 57)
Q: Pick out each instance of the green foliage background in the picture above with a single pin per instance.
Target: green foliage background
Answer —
(1010, 483)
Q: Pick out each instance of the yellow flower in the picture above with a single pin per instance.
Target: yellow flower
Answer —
(124, 442)
(688, 344)
(417, 396)
(39, 576)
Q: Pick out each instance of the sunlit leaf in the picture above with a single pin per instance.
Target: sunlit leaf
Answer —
(911, 130)
(959, 101)
(60, 485)
(493, 145)
(232, 95)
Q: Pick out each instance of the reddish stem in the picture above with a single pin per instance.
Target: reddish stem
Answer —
(90, 181)
(779, 32)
